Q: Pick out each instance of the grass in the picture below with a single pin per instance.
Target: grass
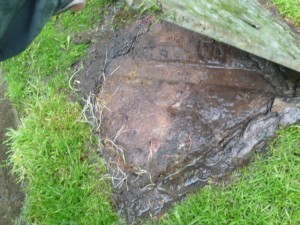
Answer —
(290, 9)
(50, 55)
(266, 192)
(49, 151)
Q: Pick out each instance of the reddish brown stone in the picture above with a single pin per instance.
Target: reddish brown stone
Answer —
(178, 110)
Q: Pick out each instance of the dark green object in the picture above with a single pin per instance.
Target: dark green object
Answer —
(22, 20)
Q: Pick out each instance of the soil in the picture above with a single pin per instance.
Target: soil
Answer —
(11, 197)
(178, 110)
(268, 4)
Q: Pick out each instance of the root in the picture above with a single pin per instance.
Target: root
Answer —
(71, 78)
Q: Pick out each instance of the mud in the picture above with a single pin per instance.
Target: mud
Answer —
(11, 197)
(178, 110)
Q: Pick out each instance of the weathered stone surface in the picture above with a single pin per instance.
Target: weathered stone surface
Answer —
(179, 110)
(247, 25)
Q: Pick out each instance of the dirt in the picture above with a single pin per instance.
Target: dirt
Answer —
(11, 197)
(178, 110)
(268, 4)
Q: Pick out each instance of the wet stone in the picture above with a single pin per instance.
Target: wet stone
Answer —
(179, 110)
